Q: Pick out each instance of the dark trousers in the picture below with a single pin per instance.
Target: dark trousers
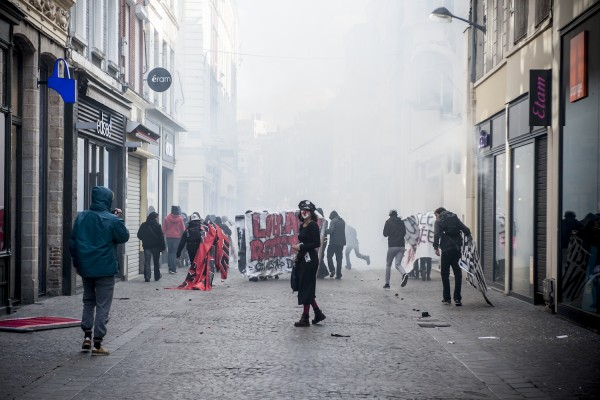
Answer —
(97, 300)
(450, 259)
(425, 267)
(153, 254)
(338, 251)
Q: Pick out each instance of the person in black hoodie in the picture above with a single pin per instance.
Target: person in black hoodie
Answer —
(395, 230)
(447, 238)
(153, 242)
(336, 243)
(191, 237)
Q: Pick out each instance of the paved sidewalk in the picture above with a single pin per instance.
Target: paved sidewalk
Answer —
(238, 341)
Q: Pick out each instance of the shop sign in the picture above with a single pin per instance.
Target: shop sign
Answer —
(104, 128)
(578, 67)
(540, 97)
(159, 79)
(169, 149)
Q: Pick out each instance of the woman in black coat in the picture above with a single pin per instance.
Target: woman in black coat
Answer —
(153, 242)
(307, 262)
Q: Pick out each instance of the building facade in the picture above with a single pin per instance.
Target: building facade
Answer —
(209, 46)
(537, 201)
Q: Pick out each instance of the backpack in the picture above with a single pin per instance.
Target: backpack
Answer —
(194, 235)
(451, 225)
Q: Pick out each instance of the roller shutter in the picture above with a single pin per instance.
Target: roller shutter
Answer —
(132, 221)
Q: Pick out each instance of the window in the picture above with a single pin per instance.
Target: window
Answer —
(521, 11)
(78, 22)
(542, 10)
(112, 48)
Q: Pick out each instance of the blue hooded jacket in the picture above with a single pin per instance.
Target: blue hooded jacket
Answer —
(95, 235)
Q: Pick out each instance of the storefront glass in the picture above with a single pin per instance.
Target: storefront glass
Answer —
(500, 230)
(522, 255)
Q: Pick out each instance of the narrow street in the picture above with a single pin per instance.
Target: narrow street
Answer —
(238, 342)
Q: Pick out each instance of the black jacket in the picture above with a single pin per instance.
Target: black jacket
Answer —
(336, 230)
(447, 230)
(395, 230)
(150, 233)
(191, 238)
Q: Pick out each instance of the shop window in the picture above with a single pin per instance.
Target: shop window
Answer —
(522, 239)
(500, 220)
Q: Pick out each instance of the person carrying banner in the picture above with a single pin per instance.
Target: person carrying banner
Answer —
(336, 243)
(191, 238)
(153, 243)
(173, 227)
(307, 262)
(395, 230)
(352, 244)
(447, 238)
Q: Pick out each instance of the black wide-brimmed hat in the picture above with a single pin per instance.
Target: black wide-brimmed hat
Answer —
(306, 205)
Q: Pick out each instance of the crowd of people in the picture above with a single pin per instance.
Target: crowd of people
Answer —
(97, 232)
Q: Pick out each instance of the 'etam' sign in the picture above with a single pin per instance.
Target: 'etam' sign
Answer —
(540, 97)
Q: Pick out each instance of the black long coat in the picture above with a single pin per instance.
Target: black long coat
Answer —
(307, 270)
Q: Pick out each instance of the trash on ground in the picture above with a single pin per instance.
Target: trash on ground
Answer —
(433, 324)
(488, 337)
(562, 336)
(338, 335)
(425, 314)
(451, 342)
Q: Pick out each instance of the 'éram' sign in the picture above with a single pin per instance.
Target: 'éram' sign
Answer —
(159, 79)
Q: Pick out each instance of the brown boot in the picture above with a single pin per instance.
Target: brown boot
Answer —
(319, 316)
(303, 321)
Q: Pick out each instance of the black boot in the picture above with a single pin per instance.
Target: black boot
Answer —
(319, 316)
(303, 321)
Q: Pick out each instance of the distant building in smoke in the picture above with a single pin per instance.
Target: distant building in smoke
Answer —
(206, 177)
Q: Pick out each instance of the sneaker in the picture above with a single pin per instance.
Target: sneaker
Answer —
(386, 286)
(446, 302)
(172, 272)
(404, 280)
(87, 344)
(348, 267)
(457, 303)
(100, 351)
(331, 274)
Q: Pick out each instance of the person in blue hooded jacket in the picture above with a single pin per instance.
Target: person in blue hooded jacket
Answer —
(93, 247)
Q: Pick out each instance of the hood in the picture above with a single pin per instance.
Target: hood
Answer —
(193, 223)
(333, 215)
(218, 220)
(395, 219)
(152, 217)
(102, 198)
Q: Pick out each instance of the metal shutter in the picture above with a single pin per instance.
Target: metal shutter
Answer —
(487, 240)
(541, 195)
(132, 221)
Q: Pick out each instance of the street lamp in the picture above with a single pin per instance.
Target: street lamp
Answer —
(442, 14)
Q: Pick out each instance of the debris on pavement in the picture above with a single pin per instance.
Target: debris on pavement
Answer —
(338, 335)
(562, 336)
(488, 337)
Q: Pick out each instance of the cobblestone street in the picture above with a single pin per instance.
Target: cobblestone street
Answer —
(238, 341)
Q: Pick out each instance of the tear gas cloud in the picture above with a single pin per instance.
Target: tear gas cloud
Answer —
(357, 105)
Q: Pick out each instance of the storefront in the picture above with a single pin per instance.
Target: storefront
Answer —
(579, 270)
(100, 156)
(142, 150)
(9, 16)
(512, 201)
